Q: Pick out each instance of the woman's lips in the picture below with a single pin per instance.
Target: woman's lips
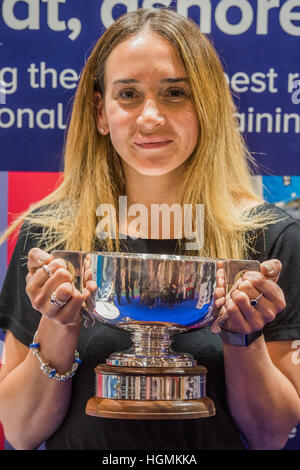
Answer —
(152, 143)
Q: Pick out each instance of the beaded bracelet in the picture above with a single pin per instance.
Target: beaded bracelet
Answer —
(51, 371)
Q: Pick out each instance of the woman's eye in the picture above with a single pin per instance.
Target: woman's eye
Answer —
(127, 94)
(176, 93)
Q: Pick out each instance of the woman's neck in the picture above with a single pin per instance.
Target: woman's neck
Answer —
(149, 191)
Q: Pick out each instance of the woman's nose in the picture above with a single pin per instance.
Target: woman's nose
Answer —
(150, 116)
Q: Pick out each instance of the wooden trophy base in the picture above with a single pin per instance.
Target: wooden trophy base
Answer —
(127, 406)
(146, 409)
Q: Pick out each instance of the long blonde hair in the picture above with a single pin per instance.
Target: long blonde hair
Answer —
(217, 173)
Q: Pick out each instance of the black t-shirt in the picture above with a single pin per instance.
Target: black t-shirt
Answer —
(80, 431)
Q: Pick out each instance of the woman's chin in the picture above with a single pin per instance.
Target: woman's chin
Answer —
(152, 169)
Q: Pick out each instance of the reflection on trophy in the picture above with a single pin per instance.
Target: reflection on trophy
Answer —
(154, 297)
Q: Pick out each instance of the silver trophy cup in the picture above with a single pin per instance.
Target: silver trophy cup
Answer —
(154, 297)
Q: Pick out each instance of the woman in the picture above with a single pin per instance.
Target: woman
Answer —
(152, 120)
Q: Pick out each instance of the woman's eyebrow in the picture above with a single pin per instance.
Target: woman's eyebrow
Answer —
(128, 81)
(175, 80)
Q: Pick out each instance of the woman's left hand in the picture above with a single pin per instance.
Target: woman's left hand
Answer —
(242, 316)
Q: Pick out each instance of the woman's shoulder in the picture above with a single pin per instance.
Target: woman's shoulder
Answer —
(277, 217)
(281, 229)
(39, 227)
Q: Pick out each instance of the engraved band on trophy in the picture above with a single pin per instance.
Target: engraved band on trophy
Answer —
(154, 297)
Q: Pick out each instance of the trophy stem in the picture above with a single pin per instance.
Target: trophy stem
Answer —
(151, 347)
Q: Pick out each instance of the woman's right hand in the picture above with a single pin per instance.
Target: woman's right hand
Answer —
(40, 286)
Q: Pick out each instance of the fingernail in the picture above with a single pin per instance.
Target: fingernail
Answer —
(44, 258)
(247, 283)
(269, 268)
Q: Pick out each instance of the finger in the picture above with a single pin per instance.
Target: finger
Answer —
(219, 297)
(236, 321)
(235, 286)
(58, 299)
(44, 267)
(40, 294)
(220, 278)
(40, 277)
(70, 313)
(64, 292)
(255, 316)
(271, 269)
(268, 287)
(91, 286)
(219, 303)
(87, 275)
(264, 306)
(40, 297)
(219, 292)
(88, 299)
(36, 258)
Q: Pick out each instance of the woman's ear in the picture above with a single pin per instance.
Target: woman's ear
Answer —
(101, 120)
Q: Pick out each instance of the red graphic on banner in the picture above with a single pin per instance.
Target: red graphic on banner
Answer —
(24, 189)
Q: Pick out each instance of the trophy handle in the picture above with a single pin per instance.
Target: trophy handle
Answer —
(234, 269)
(76, 258)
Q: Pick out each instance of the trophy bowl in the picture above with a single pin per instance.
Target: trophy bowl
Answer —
(154, 297)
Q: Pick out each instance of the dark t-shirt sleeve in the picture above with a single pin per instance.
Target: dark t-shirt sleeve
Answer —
(16, 312)
(286, 325)
(282, 241)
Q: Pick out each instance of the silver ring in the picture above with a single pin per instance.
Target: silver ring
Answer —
(254, 302)
(54, 300)
(47, 270)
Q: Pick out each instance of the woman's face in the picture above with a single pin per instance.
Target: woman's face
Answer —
(147, 108)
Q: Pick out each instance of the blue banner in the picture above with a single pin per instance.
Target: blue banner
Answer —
(44, 45)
